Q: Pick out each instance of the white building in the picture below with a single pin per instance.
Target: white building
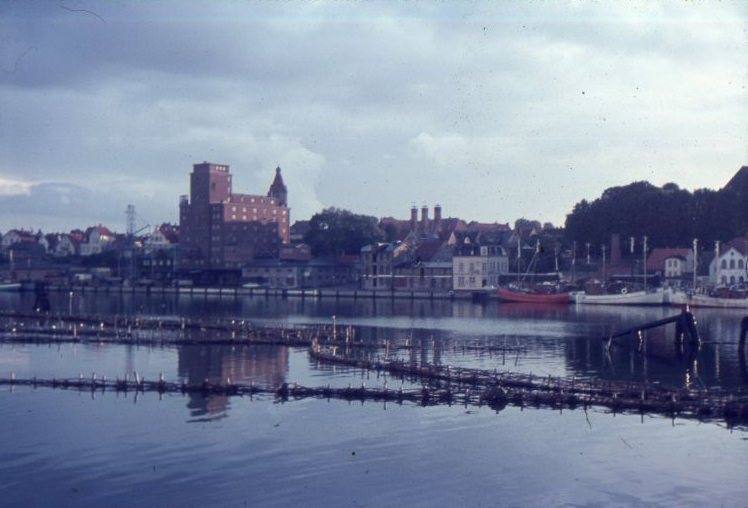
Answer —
(95, 240)
(478, 267)
(729, 267)
(163, 237)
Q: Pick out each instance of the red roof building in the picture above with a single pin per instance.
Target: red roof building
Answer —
(222, 229)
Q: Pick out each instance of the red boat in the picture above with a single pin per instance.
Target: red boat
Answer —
(532, 297)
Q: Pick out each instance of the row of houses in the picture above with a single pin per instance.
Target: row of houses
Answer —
(726, 265)
(437, 255)
(94, 240)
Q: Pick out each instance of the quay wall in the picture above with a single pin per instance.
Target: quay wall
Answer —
(265, 292)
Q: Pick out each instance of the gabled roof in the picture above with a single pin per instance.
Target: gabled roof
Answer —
(487, 227)
(739, 244)
(656, 258)
(102, 230)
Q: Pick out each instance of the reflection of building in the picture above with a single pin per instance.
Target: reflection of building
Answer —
(221, 229)
(265, 366)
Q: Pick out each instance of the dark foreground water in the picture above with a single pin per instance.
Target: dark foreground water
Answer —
(67, 448)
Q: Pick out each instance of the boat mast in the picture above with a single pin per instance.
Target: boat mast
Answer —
(695, 260)
(644, 255)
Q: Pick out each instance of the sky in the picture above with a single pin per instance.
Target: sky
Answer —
(494, 110)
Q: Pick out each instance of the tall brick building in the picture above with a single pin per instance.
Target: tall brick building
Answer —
(220, 229)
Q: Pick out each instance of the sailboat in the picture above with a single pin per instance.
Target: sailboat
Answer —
(532, 293)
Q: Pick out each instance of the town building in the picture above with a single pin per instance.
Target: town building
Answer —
(96, 239)
(426, 267)
(221, 229)
(297, 274)
(61, 245)
(376, 265)
(674, 266)
(15, 236)
(730, 264)
(477, 265)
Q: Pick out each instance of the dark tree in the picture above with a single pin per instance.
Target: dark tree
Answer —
(668, 216)
(333, 232)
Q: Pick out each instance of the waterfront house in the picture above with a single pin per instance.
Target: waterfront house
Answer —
(298, 274)
(95, 240)
(476, 264)
(730, 263)
(15, 236)
(675, 266)
(376, 265)
(425, 267)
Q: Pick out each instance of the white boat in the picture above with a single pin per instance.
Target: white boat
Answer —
(680, 298)
(10, 286)
(656, 297)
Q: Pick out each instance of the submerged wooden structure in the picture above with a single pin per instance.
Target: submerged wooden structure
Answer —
(425, 384)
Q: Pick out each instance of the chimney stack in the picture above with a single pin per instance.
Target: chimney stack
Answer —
(413, 218)
(424, 218)
(437, 218)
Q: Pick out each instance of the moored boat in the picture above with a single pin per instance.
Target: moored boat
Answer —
(10, 286)
(509, 295)
(624, 297)
(683, 299)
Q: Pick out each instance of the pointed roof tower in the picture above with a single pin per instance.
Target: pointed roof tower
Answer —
(278, 189)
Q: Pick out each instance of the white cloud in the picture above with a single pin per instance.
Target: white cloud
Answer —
(14, 187)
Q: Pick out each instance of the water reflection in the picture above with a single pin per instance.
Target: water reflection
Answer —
(563, 340)
(264, 366)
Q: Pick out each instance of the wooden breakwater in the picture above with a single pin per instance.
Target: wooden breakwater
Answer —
(333, 345)
(497, 388)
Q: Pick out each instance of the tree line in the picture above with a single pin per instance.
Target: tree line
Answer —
(669, 216)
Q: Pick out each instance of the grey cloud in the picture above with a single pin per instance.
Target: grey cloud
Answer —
(336, 91)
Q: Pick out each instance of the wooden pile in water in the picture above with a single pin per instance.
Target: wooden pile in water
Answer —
(439, 384)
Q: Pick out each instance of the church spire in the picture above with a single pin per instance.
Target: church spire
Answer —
(278, 189)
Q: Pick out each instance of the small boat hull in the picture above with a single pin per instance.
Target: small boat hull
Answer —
(632, 298)
(680, 299)
(507, 295)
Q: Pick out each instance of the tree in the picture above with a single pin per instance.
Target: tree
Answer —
(334, 232)
(668, 216)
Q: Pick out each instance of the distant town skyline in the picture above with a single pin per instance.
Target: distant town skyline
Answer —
(494, 110)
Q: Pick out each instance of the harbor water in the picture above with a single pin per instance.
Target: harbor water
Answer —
(82, 448)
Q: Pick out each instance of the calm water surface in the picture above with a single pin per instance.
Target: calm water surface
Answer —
(68, 448)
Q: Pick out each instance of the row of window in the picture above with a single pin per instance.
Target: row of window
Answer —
(732, 280)
(740, 264)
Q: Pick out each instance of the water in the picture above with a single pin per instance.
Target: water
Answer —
(70, 448)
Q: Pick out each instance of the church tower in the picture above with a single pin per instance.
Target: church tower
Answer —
(278, 189)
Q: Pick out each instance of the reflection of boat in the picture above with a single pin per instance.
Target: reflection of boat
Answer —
(624, 297)
(508, 295)
(680, 298)
(10, 286)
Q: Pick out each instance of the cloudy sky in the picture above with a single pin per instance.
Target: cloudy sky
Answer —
(495, 110)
